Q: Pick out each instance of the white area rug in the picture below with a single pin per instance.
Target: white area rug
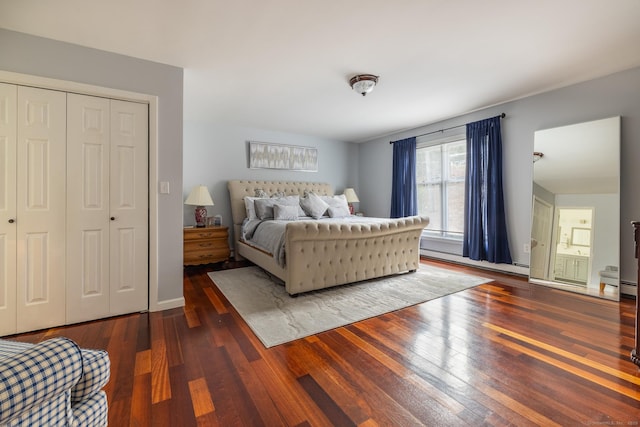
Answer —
(277, 318)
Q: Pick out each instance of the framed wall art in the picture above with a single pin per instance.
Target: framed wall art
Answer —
(264, 155)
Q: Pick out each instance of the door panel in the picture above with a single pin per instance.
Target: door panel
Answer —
(87, 208)
(8, 104)
(540, 239)
(40, 209)
(129, 207)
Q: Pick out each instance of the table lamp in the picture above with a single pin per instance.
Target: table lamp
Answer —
(200, 197)
(352, 197)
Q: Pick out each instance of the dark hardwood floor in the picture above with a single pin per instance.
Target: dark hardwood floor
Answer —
(503, 353)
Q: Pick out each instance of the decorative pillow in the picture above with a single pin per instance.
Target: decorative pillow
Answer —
(285, 213)
(339, 211)
(249, 205)
(264, 207)
(314, 206)
(261, 193)
(336, 201)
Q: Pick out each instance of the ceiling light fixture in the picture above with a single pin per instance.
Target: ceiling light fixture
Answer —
(537, 155)
(363, 83)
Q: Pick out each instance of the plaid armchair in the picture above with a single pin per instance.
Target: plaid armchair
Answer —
(53, 383)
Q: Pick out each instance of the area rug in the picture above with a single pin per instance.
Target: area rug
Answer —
(277, 318)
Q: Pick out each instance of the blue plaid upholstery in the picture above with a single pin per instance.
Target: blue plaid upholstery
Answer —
(53, 383)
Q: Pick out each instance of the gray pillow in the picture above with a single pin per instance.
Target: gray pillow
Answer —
(249, 204)
(285, 213)
(264, 207)
(314, 206)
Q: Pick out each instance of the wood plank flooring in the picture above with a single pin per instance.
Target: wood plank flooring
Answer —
(504, 353)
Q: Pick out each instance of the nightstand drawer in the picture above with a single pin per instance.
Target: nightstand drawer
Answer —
(197, 234)
(204, 245)
(206, 256)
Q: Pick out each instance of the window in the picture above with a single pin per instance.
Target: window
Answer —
(440, 171)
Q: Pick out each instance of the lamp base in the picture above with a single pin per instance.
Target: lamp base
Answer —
(201, 216)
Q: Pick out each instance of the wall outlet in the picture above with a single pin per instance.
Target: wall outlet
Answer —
(527, 248)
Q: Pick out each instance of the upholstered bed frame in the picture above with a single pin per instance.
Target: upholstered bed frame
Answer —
(320, 255)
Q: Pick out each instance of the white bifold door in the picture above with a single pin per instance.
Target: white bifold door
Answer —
(32, 208)
(107, 207)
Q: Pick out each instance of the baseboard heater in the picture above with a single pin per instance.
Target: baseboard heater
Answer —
(628, 288)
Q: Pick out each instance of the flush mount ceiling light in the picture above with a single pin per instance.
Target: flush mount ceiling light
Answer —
(363, 83)
(537, 155)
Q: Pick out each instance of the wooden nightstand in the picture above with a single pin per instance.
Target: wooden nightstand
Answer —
(206, 245)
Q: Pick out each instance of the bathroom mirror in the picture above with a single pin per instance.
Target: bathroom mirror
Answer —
(575, 228)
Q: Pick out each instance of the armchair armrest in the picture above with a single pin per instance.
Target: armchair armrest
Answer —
(37, 375)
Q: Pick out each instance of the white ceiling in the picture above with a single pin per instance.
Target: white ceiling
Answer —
(582, 158)
(285, 64)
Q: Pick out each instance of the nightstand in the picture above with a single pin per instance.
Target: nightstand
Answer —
(206, 245)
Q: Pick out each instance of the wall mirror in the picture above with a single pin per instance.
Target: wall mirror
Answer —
(575, 230)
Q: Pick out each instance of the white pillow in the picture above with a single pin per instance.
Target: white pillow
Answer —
(314, 206)
(339, 211)
(336, 201)
(285, 213)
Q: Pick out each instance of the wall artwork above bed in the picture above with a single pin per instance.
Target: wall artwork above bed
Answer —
(264, 155)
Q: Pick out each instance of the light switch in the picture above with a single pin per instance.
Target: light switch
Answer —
(164, 187)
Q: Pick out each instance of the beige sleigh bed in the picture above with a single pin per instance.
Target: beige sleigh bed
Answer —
(320, 255)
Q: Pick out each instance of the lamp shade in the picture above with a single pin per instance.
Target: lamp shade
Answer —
(199, 196)
(351, 195)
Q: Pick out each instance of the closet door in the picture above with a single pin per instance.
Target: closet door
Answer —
(107, 200)
(129, 200)
(8, 226)
(87, 207)
(40, 209)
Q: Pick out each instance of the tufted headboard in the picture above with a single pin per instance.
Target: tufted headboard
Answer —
(238, 189)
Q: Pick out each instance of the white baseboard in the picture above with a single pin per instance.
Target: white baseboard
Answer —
(168, 304)
(505, 268)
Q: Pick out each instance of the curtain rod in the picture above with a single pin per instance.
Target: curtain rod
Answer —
(502, 116)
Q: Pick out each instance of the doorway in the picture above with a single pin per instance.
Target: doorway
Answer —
(572, 245)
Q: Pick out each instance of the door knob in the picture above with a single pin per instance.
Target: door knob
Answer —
(11, 221)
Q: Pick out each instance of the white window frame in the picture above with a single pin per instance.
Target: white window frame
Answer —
(431, 141)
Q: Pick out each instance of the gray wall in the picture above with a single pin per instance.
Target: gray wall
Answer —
(617, 94)
(22, 53)
(215, 153)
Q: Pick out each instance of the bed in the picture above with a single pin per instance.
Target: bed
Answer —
(321, 254)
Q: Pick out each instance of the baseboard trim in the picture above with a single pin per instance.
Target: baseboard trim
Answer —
(504, 268)
(168, 304)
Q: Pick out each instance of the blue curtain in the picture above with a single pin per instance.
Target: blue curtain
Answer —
(404, 193)
(485, 230)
